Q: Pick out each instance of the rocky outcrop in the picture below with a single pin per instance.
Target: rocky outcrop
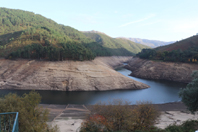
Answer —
(96, 75)
(180, 72)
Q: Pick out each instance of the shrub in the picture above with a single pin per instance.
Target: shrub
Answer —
(119, 116)
(173, 128)
(187, 126)
(190, 125)
(189, 94)
(31, 117)
(145, 116)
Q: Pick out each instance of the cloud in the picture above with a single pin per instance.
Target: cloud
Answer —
(137, 21)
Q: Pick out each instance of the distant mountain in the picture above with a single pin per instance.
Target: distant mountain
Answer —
(150, 43)
(116, 46)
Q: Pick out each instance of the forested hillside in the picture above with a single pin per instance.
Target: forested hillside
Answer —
(182, 51)
(183, 44)
(116, 46)
(27, 35)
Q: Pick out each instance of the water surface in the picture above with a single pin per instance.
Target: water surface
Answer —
(160, 91)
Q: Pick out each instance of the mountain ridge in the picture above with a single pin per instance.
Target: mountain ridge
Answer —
(126, 46)
(148, 42)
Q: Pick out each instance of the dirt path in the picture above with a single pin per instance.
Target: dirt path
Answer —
(67, 117)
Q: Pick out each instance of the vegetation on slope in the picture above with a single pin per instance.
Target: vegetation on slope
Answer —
(183, 51)
(116, 46)
(27, 35)
(189, 94)
(183, 44)
(32, 118)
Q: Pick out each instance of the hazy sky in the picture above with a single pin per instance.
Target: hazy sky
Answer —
(164, 20)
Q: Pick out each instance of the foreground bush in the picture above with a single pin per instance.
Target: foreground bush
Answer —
(119, 116)
(189, 94)
(31, 117)
(187, 126)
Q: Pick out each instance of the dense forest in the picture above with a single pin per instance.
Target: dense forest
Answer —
(27, 35)
(190, 55)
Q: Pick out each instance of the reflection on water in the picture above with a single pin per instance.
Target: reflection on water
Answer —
(160, 91)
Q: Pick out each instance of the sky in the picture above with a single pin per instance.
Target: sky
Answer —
(165, 20)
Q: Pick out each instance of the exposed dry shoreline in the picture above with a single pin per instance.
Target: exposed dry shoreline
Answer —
(95, 75)
(179, 72)
(69, 117)
(172, 106)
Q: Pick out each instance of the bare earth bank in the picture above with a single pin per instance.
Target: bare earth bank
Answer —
(180, 72)
(95, 75)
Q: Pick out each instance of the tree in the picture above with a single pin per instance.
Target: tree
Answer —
(33, 30)
(0, 21)
(189, 94)
(118, 115)
(31, 117)
(7, 22)
(41, 37)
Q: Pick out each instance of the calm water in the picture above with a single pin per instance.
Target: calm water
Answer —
(159, 92)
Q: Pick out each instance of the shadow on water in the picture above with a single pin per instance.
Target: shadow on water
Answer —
(160, 91)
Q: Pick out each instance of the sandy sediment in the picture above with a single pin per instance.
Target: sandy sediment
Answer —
(174, 117)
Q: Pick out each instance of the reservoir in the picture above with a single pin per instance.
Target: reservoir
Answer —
(160, 91)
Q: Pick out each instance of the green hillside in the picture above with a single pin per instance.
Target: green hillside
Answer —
(17, 20)
(116, 46)
(182, 51)
(27, 35)
(183, 44)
